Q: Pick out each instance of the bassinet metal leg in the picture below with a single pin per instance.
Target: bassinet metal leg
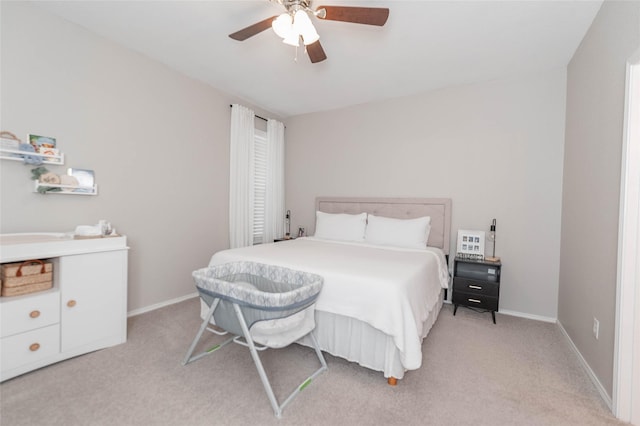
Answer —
(257, 362)
(304, 384)
(316, 346)
(263, 375)
(188, 358)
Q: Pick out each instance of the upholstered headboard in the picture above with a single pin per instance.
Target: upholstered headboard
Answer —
(439, 209)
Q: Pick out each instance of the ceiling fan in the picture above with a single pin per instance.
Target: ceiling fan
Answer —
(295, 24)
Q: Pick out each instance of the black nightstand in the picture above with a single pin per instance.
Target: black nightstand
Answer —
(476, 285)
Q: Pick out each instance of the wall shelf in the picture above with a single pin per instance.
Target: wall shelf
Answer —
(17, 155)
(54, 160)
(67, 189)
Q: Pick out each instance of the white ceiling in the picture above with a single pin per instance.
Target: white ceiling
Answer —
(425, 45)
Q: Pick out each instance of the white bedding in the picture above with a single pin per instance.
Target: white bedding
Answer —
(391, 289)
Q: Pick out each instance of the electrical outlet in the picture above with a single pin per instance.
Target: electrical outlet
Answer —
(596, 328)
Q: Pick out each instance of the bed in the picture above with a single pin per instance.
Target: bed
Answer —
(379, 301)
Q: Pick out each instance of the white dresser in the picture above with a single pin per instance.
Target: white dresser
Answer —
(85, 310)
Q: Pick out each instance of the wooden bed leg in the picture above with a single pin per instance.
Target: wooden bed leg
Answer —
(392, 381)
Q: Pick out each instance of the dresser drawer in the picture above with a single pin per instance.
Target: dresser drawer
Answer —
(467, 285)
(26, 313)
(480, 301)
(29, 347)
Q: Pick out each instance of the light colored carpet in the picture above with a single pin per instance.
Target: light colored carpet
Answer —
(518, 372)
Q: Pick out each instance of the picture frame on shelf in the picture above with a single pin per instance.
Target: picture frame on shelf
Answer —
(85, 178)
(54, 153)
(470, 244)
(38, 141)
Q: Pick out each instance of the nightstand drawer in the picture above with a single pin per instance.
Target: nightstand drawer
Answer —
(480, 271)
(466, 285)
(475, 300)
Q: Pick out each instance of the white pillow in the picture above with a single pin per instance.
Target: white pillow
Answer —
(406, 233)
(340, 226)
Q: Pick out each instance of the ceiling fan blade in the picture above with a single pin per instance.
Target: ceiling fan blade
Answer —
(252, 30)
(316, 52)
(359, 15)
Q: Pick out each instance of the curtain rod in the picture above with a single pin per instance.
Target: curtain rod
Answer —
(257, 116)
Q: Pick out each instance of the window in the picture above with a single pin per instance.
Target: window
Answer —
(260, 184)
(256, 179)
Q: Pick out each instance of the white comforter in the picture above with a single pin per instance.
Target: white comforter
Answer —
(391, 289)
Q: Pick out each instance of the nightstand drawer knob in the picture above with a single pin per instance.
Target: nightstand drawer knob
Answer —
(474, 300)
(476, 287)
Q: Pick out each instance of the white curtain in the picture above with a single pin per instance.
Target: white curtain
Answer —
(241, 176)
(274, 196)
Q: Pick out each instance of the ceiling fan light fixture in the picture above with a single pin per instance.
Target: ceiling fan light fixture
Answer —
(283, 25)
(301, 22)
(303, 26)
(293, 39)
(310, 38)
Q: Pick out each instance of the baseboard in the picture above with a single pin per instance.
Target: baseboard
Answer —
(528, 316)
(603, 393)
(521, 315)
(161, 305)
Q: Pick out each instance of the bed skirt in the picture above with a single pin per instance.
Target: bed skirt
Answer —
(365, 345)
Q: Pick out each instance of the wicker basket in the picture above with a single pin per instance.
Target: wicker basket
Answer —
(26, 277)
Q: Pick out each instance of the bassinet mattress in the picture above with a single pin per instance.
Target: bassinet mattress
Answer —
(389, 289)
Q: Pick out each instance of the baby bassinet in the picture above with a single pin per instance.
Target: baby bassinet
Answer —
(264, 306)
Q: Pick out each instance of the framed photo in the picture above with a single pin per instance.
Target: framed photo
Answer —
(38, 141)
(470, 244)
(85, 178)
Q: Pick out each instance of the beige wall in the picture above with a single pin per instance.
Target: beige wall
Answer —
(157, 141)
(495, 148)
(591, 184)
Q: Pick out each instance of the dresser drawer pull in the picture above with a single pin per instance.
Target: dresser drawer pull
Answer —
(34, 314)
(71, 303)
(34, 347)
(474, 300)
(476, 287)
